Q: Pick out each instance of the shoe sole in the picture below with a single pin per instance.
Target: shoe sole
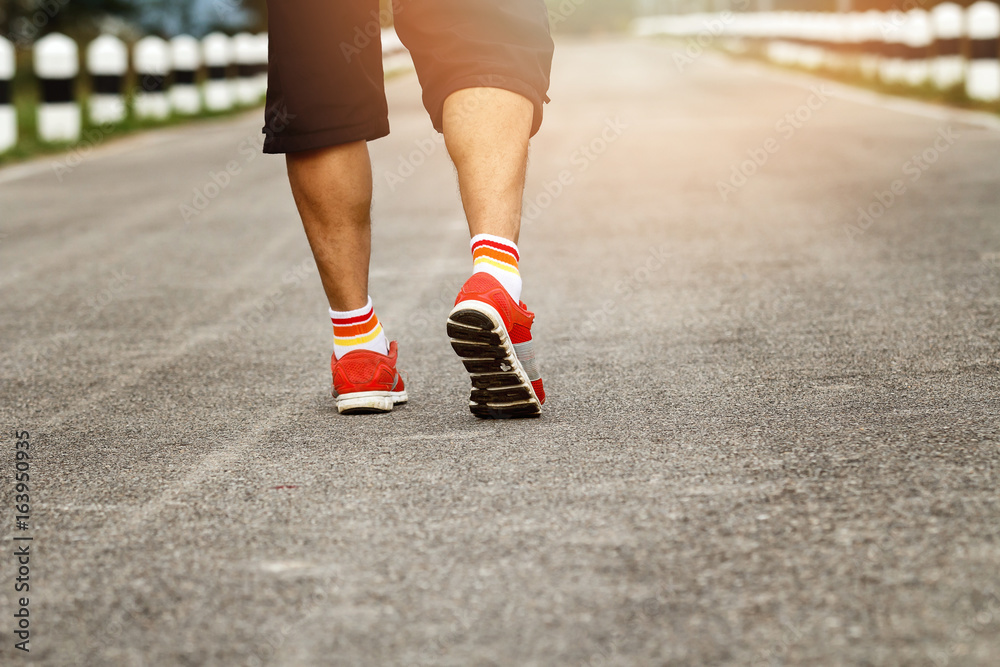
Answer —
(500, 387)
(369, 402)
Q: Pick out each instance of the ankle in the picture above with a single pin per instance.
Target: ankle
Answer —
(498, 257)
(357, 329)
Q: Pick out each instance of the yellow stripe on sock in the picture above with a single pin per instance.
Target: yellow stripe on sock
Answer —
(360, 340)
(499, 265)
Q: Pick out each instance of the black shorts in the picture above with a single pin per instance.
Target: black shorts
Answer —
(325, 84)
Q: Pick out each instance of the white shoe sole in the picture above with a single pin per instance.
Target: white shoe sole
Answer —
(369, 402)
(500, 387)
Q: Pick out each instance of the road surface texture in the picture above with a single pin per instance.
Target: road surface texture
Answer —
(772, 428)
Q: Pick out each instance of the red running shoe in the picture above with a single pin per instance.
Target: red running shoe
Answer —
(492, 335)
(365, 382)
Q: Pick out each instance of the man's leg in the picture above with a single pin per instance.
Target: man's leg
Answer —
(486, 131)
(333, 192)
(324, 102)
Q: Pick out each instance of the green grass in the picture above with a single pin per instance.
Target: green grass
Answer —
(25, 91)
(29, 146)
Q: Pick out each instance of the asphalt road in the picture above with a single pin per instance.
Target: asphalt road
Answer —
(771, 435)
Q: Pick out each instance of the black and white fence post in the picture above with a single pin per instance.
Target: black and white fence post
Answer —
(854, 38)
(947, 46)
(891, 66)
(837, 33)
(107, 62)
(8, 115)
(244, 53)
(871, 46)
(917, 38)
(948, 63)
(983, 79)
(217, 54)
(57, 64)
(809, 28)
(779, 47)
(815, 33)
(185, 54)
(152, 65)
(260, 63)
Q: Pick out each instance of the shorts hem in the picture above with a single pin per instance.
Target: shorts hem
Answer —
(325, 138)
(484, 80)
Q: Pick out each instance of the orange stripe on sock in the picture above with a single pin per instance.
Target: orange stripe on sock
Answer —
(497, 245)
(359, 340)
(354, 330)
(492, 253)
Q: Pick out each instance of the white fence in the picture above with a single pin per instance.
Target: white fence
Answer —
(182, 77)
(946, 47)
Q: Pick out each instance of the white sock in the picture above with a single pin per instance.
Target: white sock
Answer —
(357, 330)
(498, 257)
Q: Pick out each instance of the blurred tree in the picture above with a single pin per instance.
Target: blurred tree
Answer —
(25, 20)
(256, 15)
(168, 17)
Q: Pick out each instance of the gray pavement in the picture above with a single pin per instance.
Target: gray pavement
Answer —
(771, 435)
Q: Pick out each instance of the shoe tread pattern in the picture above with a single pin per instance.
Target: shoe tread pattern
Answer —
(497, 391)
